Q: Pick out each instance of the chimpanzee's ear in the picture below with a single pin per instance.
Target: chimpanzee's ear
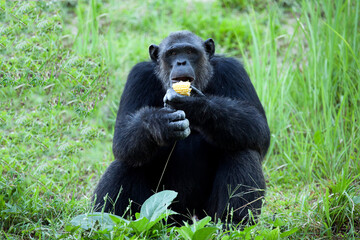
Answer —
(209, 47)
(154, 52)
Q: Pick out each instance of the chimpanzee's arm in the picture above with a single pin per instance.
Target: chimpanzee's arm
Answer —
(142, 124)
(230, 114)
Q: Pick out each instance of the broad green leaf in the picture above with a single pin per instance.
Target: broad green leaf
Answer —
(117, 219)
(185, 232)
(201, 223)
(87, 221)
(204, 233)
(157, 204)
(162, 216)
(139, 225)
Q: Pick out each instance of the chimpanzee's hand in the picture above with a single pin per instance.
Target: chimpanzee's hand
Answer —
(168, 125)
(175, 100)
(196, 92)
(172, 99)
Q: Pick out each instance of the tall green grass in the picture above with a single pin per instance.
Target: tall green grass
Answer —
(57, 123)
(308, 81)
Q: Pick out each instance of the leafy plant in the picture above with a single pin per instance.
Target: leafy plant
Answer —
(153, 211)
(198, 230)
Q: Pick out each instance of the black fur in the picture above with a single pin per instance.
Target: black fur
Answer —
(216, 167)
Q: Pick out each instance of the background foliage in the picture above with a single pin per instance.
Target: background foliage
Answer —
(63, 66)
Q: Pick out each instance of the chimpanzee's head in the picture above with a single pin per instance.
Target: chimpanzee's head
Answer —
(183, 56)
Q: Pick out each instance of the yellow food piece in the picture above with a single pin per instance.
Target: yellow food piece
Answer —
(182, 88)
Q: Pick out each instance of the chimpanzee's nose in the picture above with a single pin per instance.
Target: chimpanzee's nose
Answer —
(179, 63)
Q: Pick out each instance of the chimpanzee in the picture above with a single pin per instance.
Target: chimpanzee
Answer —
(208, 147)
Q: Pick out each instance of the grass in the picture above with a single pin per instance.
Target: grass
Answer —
(63, 66)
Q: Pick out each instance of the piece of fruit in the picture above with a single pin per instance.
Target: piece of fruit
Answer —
(182, 88)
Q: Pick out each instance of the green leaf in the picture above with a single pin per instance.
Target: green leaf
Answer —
(71, 228)
(246, 232)
(117, 219)
(278, 222)
(273, 234)
(162, 216)
(201, 223)
(139, 225)
(89, 220)
(157, 205)
(185, 232)
(289, 232)
(204, 233)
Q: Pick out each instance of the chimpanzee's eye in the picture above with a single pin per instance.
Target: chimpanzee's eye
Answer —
(189, 51)
(170, 53)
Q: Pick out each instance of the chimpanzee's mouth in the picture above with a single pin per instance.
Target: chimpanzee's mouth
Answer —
(183, 79)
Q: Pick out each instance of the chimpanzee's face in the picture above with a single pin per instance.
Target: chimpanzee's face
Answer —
(183, 57)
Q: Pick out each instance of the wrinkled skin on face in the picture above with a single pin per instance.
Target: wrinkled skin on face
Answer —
(183, 56)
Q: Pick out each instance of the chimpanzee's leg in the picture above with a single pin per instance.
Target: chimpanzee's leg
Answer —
(121, 183)
(239, 186)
